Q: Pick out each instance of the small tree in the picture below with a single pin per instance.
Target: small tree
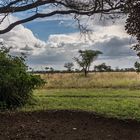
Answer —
(85, 59)
(137, 67)
(16, 84)
(69, 66)
(51, 69)
(102, 67)
(47, 69)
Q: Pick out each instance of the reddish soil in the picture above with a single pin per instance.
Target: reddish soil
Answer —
(65, 125)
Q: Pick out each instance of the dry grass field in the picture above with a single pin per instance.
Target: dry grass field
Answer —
(94, 80)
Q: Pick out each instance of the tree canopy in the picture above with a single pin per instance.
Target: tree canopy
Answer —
(86, 57)
(133, 24)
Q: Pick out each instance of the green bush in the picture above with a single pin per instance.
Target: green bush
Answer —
(16, 84)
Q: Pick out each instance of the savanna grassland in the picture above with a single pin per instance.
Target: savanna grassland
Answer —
(94, 80)
(114, 94)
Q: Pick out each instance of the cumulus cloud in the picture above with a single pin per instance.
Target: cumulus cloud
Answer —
(60, 48)
(20, 38)
(111, 40)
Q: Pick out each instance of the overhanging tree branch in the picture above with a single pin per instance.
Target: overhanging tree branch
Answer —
(12, 9)
(62, 7)
(57, 12)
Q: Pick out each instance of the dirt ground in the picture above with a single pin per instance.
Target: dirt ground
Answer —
(65, 125)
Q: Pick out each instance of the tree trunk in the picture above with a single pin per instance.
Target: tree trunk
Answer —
(85, 71)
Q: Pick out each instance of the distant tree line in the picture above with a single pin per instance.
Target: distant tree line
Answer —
(84, 61)
(79, 70)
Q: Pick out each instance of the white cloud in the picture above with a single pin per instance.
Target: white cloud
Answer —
(20, 38)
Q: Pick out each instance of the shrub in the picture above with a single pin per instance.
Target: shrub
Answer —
(137, 67)
(16, 84)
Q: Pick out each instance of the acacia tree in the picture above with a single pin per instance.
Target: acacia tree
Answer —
(69, 66)
(102, 67)
(85, 59)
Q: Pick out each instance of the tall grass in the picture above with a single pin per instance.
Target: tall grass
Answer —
(94, 80)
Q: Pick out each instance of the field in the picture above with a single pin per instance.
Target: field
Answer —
(118, 103)
(94, 80)
(108, 94)
(102, 106)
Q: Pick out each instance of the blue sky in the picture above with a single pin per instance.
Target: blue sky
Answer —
(42, 29)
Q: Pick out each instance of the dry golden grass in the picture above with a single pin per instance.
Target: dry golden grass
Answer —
(94, 80)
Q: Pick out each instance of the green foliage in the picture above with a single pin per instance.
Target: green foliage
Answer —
(137, 66)
(102, 67)
(133, 24)
(16, 84)
(85, 59)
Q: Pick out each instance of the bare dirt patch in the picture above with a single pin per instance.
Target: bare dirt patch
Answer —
(65, 125)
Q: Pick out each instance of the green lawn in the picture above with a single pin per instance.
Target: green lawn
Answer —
(120, 103)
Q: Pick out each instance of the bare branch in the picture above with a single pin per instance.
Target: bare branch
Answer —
(78, 7)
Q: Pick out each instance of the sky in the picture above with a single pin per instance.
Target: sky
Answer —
(55, 41)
